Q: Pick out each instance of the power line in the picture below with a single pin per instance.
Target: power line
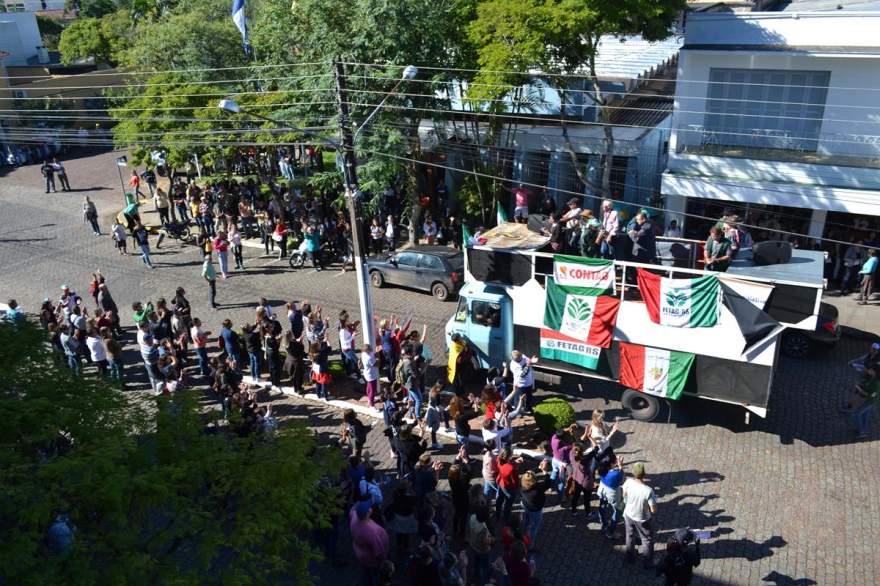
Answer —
(154, 72)
(624, 94)
(757, 228)
(629, 108)
(164, 96)
(539, 74)
(471, 148)
(244, 106)
(602, 124)
(502, 179)
(175, 83)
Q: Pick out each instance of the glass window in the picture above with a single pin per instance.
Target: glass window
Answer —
(461, 311)
(486, 314)
(429, 261)
(409, 259)
(765, 108)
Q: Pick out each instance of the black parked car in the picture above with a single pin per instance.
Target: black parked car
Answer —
(437, 269)
(799, 343)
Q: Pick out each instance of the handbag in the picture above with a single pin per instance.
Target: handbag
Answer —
(569, 487)
(277, 237)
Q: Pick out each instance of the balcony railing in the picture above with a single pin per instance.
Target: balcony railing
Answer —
(849, 150)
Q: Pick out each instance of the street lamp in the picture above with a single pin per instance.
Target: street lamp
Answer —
(232, 107)
(409, 72)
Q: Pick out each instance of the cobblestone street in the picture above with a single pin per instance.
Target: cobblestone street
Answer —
(789, 499)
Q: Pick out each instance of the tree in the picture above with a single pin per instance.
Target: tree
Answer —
(428, 33)
(50, 31)
(150, 494)
(93, 8)
(198, 34)
(84, 39)
(562, 37)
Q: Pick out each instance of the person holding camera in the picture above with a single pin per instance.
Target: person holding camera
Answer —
(677, 566)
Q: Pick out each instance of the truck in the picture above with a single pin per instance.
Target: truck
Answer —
(501, 308)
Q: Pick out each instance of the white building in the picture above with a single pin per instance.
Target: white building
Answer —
(777, 117)
(34, 5)
(20, 38)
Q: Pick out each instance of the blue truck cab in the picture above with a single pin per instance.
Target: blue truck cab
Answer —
(484, 317)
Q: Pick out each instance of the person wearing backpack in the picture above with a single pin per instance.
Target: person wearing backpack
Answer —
(677, 566)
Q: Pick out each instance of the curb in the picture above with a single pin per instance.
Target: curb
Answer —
(372, 414)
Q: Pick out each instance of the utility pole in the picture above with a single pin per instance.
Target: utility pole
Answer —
(352, 192)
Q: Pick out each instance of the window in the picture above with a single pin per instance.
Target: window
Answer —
(427, 261)
(486, 314)
(408, 259)
(765, 108)
(461, 311)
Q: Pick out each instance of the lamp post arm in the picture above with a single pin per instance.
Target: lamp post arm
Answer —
(285, 125)
(377, 109)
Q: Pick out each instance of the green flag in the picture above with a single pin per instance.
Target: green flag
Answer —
(465, 236)
(500, 214)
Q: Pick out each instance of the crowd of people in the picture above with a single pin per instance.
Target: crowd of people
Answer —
(473, 533)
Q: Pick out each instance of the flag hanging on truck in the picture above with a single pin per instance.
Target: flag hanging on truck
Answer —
(654, 371)
(681, 303)
(500, 214)
(557, 346)
(594, 274)
(580, 314)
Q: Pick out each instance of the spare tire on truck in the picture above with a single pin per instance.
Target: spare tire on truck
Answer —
(641, 406)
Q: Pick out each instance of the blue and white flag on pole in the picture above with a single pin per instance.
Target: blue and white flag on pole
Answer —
(240, 20)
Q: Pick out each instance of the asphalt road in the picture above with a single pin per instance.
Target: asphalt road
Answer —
(790, 499)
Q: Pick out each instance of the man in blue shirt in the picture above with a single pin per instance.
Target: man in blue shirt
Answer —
(867, 274)
(13, 314)
(611, 478)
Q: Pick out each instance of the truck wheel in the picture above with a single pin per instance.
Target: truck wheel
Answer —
(377, 280)
(641, 406)
(795, 344)
(440, 291)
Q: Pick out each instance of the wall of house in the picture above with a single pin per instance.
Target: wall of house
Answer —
(791, 29)
(19, 36)
(851, 121)
(34, 5)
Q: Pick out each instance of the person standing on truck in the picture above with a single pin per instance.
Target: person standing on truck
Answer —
(610, 226)
(572, 221)
(867, 275)
(644, 248)
(523, 377)
(716, 254)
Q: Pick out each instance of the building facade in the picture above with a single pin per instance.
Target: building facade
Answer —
(777, 119)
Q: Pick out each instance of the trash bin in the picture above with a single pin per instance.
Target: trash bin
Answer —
(130, 199)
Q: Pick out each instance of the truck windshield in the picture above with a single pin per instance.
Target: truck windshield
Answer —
(486, 314)
(461, 311)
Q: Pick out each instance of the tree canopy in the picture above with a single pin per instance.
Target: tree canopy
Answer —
(141, 489)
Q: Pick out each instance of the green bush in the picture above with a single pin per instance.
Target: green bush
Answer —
(553, 413)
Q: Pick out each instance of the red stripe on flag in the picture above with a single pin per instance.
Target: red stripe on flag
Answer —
(632, 366)
(604, 318)
(649, 287)
(554, 335)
